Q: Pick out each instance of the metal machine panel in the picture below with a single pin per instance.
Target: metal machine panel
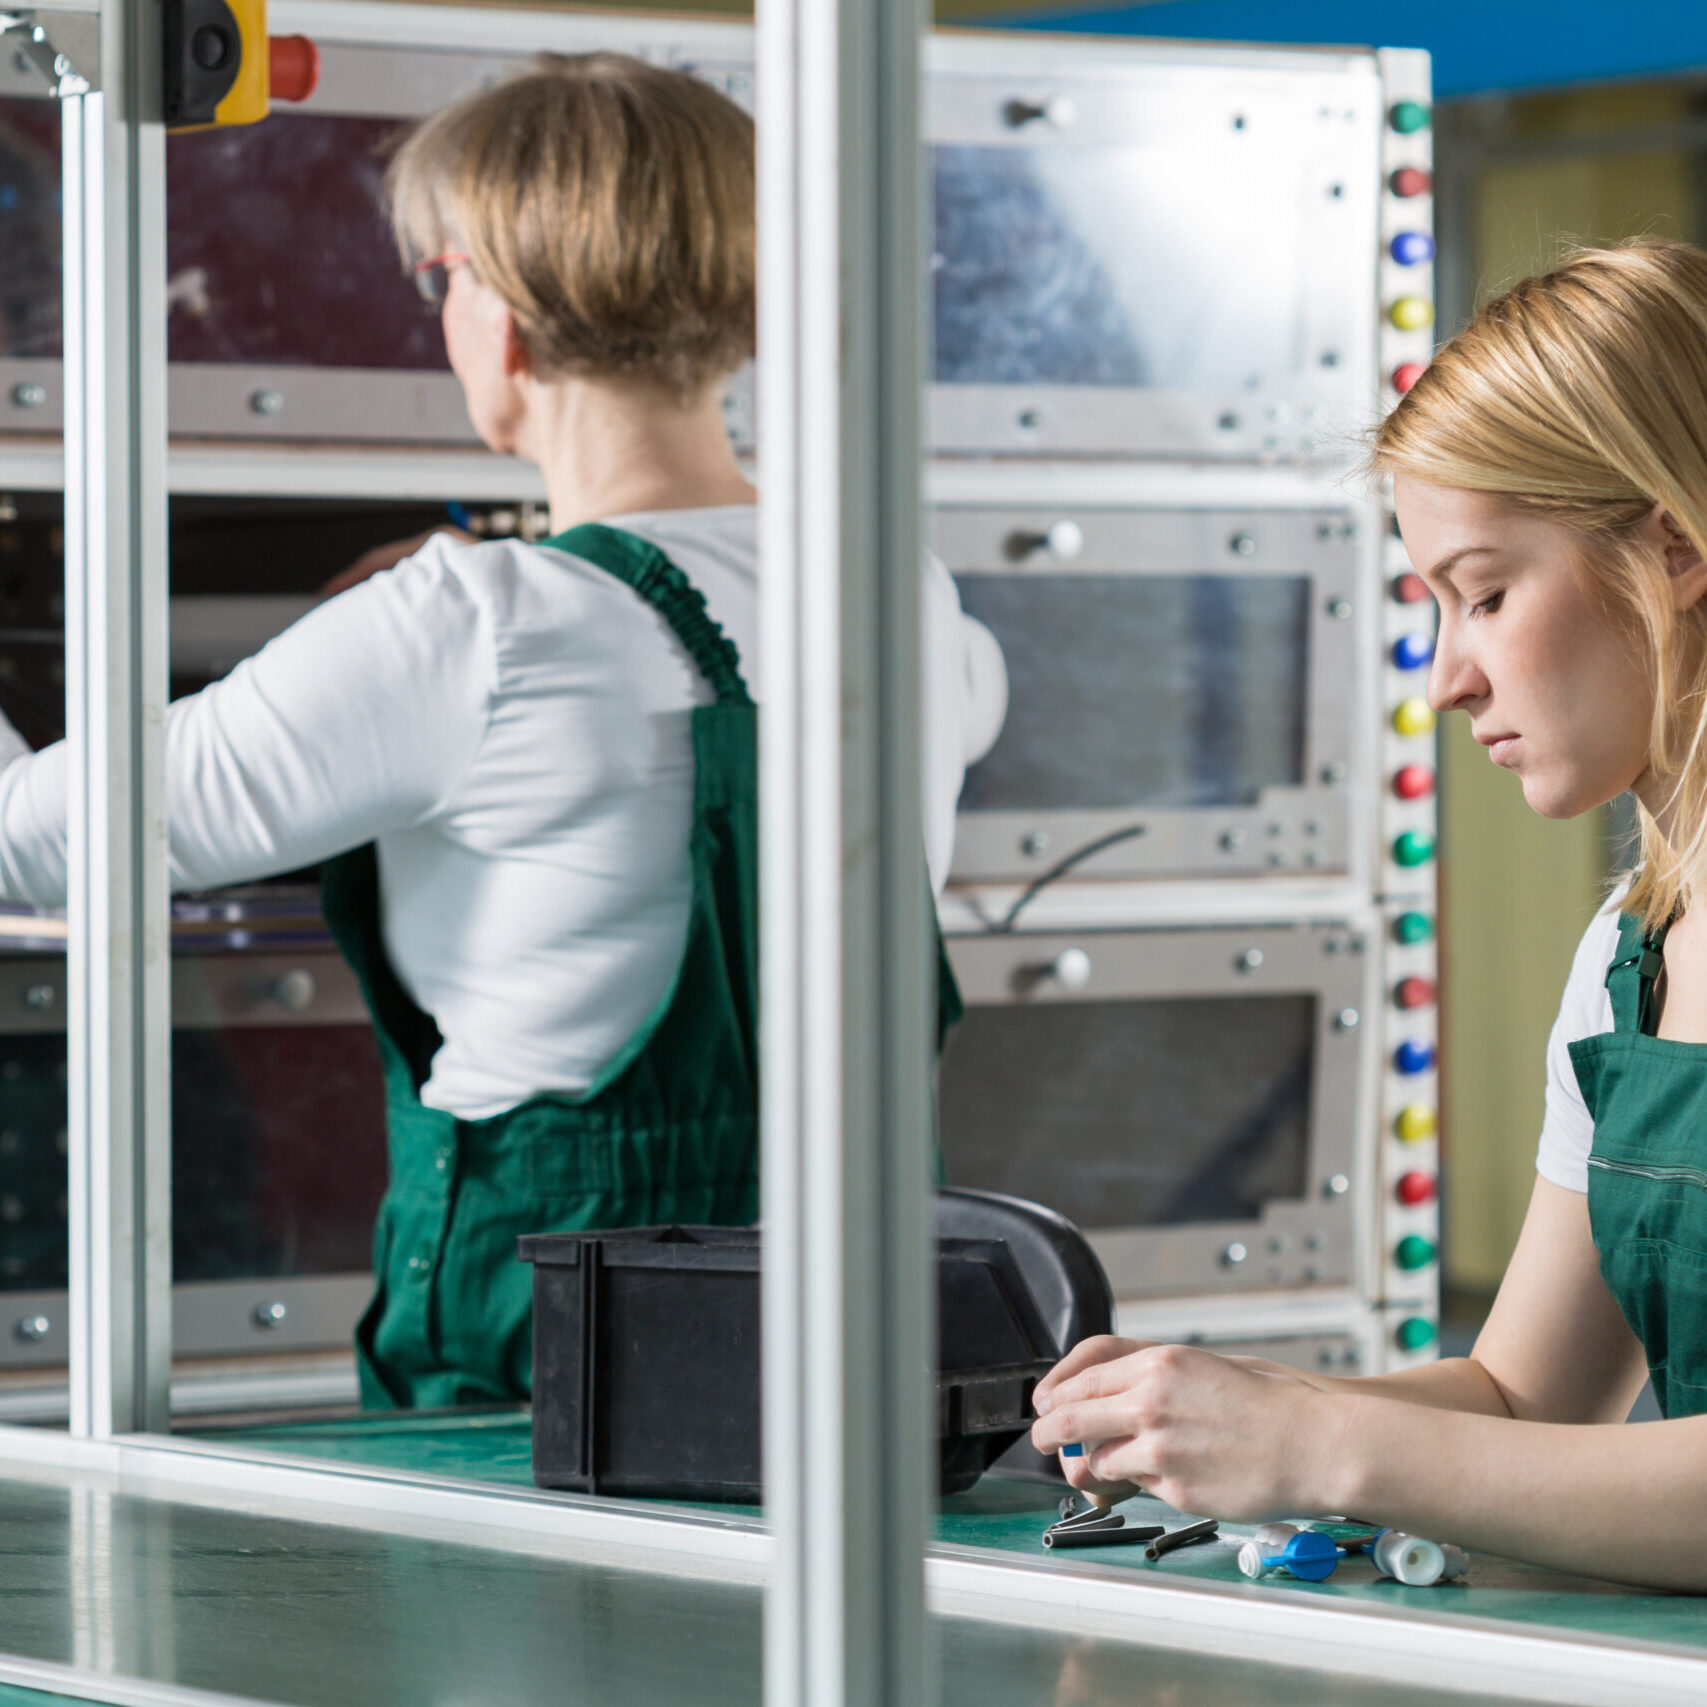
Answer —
(1184, 680)
(1191, 1098)
(1137, 256)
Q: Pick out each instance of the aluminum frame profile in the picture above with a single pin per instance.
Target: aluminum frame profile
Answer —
(845, 973)
(118, 950)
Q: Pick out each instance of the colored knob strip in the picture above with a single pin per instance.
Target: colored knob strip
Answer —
(1408, 117)
(1415, 1055)
(1411, 248)
(1414, 717)
(1415, 1189)
(1416, 1122)
(1412, 651)
(1409, 588)
(1415, 1333)
(1411, 313)
(1405, 375)
(1414, 992)
(1413, 1252)
(1410, 181)
(1412, 928)
(1413, 848)
(1413, 782)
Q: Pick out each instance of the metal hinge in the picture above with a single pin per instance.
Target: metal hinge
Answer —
(35, 48)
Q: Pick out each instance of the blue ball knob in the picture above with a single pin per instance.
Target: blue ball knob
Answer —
(1412, 248)
(1414, 1055)
(1413, 651)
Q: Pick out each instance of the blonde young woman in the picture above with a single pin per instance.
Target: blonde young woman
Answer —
(529, 768)
(1550, 475)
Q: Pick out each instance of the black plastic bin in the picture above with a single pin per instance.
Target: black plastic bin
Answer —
(646, 1360)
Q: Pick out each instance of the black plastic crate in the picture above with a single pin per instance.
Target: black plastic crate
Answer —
(646, 1360)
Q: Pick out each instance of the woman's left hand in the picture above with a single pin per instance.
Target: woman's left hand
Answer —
(1205, 1433)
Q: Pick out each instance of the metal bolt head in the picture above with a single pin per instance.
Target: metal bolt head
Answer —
(266, 402)
(1234, 1254)
(1336, 1185)
(32, 1330)
(1064, 541)
(1030, 419)
(1242, 544)
(1335, 773)
(1037, 842)
(1339, 609)
(1071, 969)
(1232, 840)
(270, 1315)
(1347, 1019)
(38, 998)
(1249, 961)
(294, 991)
(29, 395)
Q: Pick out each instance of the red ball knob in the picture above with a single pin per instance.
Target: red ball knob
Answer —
(1406, 374)
(1411, 181)
(1413, 782)
(293, 68)
(1416, 1188)
(1414, 992)
(1409, 589)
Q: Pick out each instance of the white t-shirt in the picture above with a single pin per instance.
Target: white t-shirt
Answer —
(510, 725)
(1567, 1128)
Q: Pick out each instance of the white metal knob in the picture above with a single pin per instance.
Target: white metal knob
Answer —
(1071, 969)
(1064, 541)
(270, 1315)
(294, 991)
(32, 1328)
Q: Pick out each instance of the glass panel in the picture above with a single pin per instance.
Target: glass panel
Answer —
(277, 247)
(1140, 1113)
(1184, 690)
(1119, 266)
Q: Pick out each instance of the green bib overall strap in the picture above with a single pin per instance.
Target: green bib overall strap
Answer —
(1647, 1173)
(667, 1133)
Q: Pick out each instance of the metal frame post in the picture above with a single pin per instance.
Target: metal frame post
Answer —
(847, 958)
(118, 976)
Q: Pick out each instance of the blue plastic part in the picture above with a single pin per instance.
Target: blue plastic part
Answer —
(1412, 248)
(1412, 651)
(1414, 1055)
(458, 514)
(1309, 1556)
(1073, 1451)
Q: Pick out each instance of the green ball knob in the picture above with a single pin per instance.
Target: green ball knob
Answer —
(1415, 1333)
(1408, 117)
(1414, 847)
(1412, 928)
(1414, 1251)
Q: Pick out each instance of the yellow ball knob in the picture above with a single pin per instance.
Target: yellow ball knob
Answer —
(1416, 1122)
(1414, 717)
(1412, 313)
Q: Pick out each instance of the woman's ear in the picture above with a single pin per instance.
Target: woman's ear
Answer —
(518, 358)
(1686, 567)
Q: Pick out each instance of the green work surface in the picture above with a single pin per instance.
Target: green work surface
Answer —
(1009, 1517)
(12, 1696)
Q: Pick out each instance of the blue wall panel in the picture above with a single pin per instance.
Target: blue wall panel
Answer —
(1508, 44)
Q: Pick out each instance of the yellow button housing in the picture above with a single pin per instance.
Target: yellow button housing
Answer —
(1411, 313)
(1414, 717)
(1416, 1122)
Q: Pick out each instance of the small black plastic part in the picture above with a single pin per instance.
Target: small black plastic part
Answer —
(1189, 1536)
(1136, 1536)
(204, 52)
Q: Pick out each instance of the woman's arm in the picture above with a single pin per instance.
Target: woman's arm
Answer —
(355, 721)
(1519, 1449)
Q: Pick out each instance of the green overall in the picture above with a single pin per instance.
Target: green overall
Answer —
(667, 1133)
(1647, 1174)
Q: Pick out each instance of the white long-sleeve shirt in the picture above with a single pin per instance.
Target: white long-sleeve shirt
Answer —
(510, 725)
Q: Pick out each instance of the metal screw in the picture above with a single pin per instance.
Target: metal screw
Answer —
(1071, 969)
(1234, 1254)
(1333, 773)
(38, 997)
(270, 1315)
(32, 1329)
(1336, 1185)
(1243, 544)
(1346, 1019)
(1339, 609)
(29, 395)
(293, 990)
(1232, 840)
(1034, 844)
(1228, 422)
(266, 402)
(1031, 419)
(1249, 961)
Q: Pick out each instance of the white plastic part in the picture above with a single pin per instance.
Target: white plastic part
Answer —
(1409, 1559)
(1272, 1537)
(1253, 1561)
(1064, 541)
(1457, 1562)
(1071, 969)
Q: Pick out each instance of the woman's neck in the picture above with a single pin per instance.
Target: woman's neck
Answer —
(610, 449)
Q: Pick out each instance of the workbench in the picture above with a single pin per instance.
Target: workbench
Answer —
(409, 1559)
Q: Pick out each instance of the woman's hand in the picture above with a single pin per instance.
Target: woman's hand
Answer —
(386, 556)
(1205, 1433)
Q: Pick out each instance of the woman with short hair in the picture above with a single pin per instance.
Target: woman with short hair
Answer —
(530, 767)
(1550, 477)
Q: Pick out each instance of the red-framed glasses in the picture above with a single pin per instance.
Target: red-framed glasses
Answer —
(432, 277)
